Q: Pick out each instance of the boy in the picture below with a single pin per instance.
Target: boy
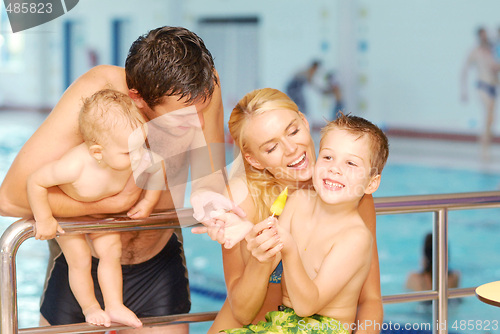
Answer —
(100, 167)
(326, 247)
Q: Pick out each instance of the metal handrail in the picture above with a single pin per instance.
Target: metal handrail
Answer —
(440, 204)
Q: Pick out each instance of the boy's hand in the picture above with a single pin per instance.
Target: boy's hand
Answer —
(142, 209)
(263, 240)
(46, 229)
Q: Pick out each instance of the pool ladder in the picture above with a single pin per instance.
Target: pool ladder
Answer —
(22, 229)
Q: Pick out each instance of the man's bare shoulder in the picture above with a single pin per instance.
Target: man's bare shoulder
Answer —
(105, 76)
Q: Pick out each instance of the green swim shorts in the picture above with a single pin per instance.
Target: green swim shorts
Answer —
(287, 321)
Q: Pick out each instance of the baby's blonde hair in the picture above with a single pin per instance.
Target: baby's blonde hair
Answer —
(104, 112)
(262, 185)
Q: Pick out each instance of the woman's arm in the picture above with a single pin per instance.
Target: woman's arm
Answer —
(370, 309)
(247, 282)
(57, 135)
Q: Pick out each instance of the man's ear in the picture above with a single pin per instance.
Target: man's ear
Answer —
(96, 152)
(253, 162)
(138, 100)
(373, 185)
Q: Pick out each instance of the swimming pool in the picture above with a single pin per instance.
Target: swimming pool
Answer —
(473, 247)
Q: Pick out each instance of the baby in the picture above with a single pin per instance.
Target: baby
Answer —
(100, 167)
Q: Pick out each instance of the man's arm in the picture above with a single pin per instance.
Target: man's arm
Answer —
(213, 133)
(57, 135)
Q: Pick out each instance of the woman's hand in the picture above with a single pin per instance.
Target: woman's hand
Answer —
(263, 241)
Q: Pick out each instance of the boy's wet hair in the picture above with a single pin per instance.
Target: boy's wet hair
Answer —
(170, 61)
(107, 111)
(379, 144)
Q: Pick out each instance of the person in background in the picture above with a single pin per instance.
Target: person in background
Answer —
(333, 89)
(295, 88)
(487, 68)
(422, 280)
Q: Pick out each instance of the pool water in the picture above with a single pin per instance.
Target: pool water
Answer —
(473, 247)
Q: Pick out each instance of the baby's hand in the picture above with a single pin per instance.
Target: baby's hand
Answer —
(142, 209)
(47, 228)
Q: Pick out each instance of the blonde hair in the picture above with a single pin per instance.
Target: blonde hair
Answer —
(262, 185)
(379, 144)
(104, 112)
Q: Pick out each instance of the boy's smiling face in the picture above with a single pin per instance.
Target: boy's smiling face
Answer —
(342, 171)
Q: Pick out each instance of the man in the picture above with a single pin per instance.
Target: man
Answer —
(487, 69)
(166, 70)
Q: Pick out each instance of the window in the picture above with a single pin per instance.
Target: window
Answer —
(11, 45)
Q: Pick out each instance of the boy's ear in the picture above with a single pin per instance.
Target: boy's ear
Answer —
(96, 151)
(253, 162)
(138, 100)
(373, 185)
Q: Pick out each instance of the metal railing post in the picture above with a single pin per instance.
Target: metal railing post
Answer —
(440, 271)
(10, 241)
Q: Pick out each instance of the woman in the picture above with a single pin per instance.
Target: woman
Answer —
(278, 152)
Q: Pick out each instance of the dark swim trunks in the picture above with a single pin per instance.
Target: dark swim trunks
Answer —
(491, 90)
(156, 287)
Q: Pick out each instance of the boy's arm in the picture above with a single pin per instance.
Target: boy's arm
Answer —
(58, 172)
(57, 135)
(308, 296)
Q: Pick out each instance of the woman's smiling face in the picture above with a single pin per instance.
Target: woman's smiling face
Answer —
(280, 142)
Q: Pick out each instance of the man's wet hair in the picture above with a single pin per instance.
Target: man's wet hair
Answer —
(170, 61)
